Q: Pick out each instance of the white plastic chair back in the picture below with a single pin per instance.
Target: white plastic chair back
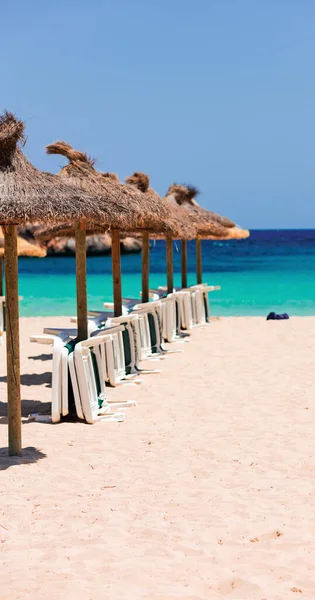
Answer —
(169, 328)
(185, 317)
(145, 340)
(130, 323)
(87, 395)
(199, 307)
(202, 301)
(59, 383)
(113, 354)
(150, 344)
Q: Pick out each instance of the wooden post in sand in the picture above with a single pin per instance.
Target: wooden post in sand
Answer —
(80, 264)
(198, 260)
(116, 272)
(184, 263)
(12, 340)
(145, 266)
(169, 264)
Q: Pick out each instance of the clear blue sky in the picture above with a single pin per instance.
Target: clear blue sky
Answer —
(218, 93)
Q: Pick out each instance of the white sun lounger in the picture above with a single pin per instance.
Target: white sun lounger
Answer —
(150, 325)
(201, 300)
(132, 342)
(176, 315)
(150, 330)
(115, 368)
(145, 332)
(89, 386)
(184, 307)
(62, 361)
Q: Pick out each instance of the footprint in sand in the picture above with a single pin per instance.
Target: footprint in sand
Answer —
(267, 536)
(237, 588)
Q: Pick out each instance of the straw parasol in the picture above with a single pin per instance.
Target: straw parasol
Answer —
(186, 230)
(139, 211)
(126, 207)
(28, 196)
(206, 221)
(235, 233)
(209, 224)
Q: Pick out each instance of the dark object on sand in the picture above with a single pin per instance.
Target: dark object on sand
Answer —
(274, 317)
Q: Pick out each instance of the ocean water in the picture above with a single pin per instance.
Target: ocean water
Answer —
(272, 270)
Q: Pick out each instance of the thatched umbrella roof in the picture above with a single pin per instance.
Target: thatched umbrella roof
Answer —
(177, 225)
(186, 229)
(234, 233)
(28, 195)
(47, 232)
(128, 207)
(24, 248)
(207, 223)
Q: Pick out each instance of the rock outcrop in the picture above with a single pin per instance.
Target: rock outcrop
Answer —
(96, 245)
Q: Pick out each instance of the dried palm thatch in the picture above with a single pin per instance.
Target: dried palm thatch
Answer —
(111, 176)
(234, 233)
(47, 232)
(27, 195)
(128, 208)
(185, 229)
(140, 180)
(24, 248)
(205, 221)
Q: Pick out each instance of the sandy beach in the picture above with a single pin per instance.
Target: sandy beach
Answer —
(205, 491)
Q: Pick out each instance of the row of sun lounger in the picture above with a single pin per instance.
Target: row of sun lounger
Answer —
(115, 349)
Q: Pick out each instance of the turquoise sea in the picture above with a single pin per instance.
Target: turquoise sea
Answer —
(272, 270)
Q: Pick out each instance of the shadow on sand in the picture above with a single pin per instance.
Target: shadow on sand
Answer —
(33, 379)
(30, 455)
(41, 357)
(28, 407)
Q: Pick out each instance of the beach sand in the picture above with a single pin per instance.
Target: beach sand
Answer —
(205, 491)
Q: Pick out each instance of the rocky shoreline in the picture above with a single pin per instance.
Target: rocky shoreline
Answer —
(96, 245)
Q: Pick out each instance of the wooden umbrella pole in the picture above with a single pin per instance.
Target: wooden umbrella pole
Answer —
(145, 266)
(116, 269)
(13, 340)
(198, 260)
(169, 265)
(80, 265)
(184, 264)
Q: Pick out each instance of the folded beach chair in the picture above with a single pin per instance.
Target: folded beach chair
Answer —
(123, 356)
(118, 354)
(62, 361)
(88, 382)
(150, 325)
(177, 317)
(201, 302)
(134, 325)
(59, 384)
(145, 333)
